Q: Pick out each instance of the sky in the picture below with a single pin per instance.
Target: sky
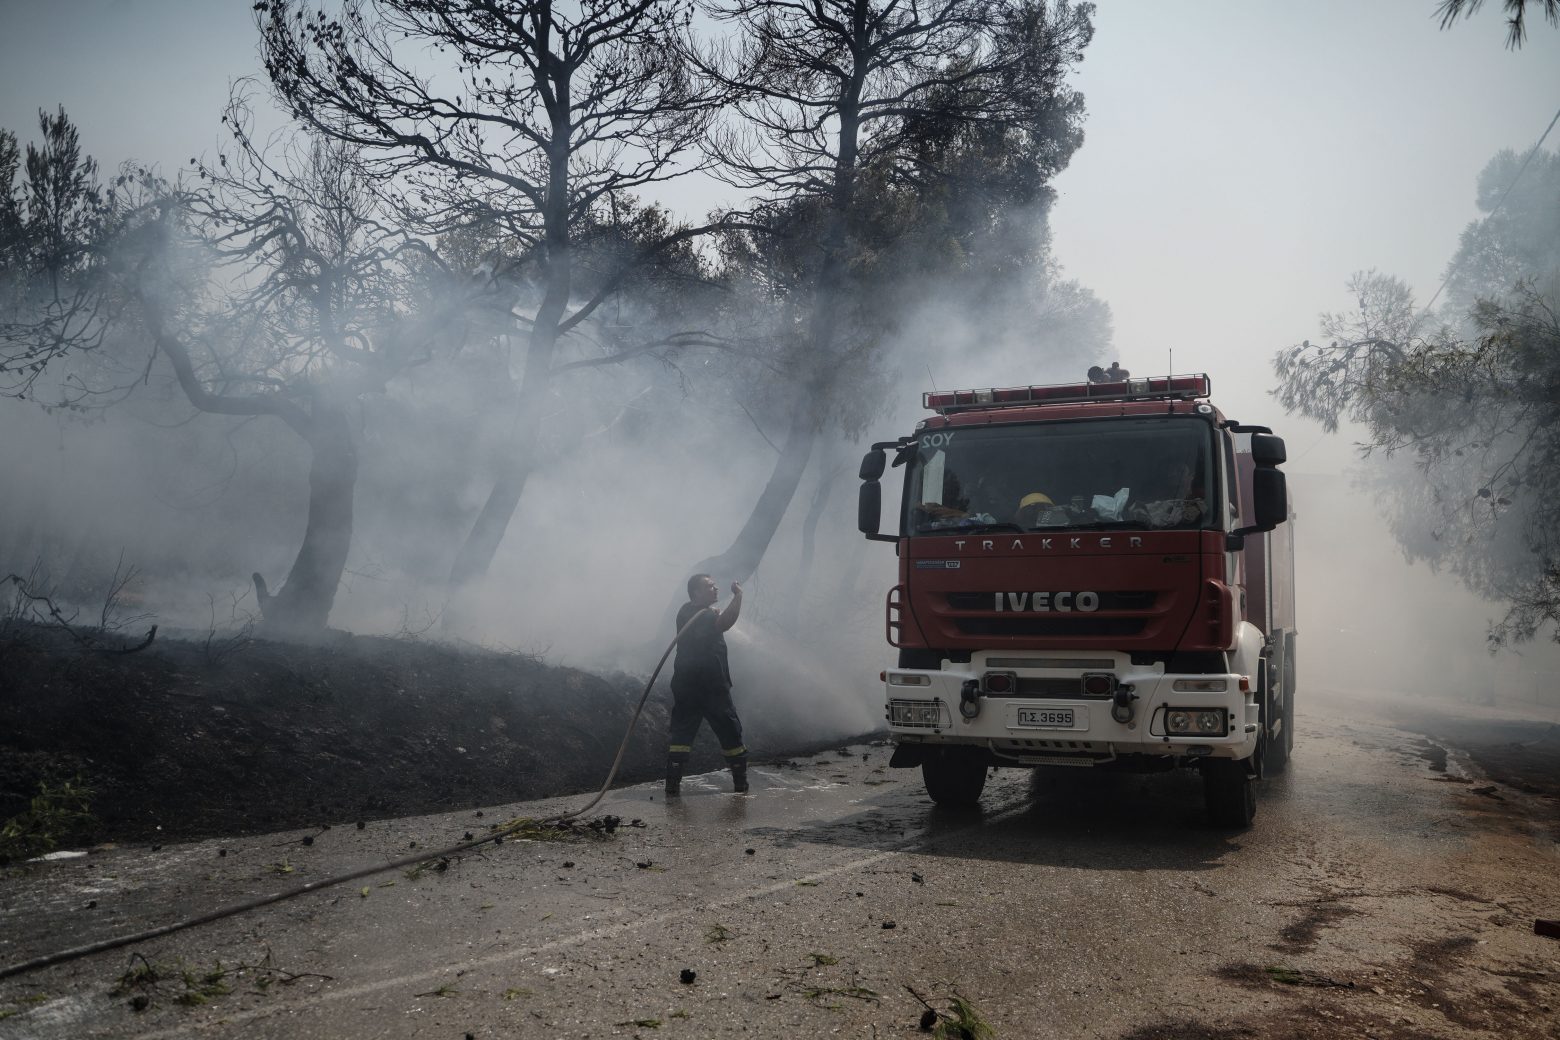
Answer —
(1239, 165)
(1242, 158)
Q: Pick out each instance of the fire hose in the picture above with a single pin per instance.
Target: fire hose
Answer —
(340, 879)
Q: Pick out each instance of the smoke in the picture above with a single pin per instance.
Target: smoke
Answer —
(645, 470)
(171, 497)
(653, 476)
(1375, 624)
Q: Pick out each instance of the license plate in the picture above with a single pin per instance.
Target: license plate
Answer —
(1047, 718)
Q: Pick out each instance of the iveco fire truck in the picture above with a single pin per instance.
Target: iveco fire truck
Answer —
(1093, 575)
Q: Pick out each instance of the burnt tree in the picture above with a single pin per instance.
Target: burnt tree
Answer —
(552, 114)
(266, 282)
(273, 288)
(835, 98)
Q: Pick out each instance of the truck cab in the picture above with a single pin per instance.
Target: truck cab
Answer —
(1094, 575)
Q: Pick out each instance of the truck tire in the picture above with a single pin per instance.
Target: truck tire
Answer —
(1228, 792)
(954, 777)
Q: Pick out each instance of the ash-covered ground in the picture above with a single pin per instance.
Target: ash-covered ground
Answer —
(1520, 752)
(185, 739)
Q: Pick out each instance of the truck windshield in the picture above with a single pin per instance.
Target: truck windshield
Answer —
(1127, 472)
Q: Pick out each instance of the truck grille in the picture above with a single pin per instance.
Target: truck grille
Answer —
(1124, 600)
(1055, 687)
(971, 614)
(1049, 625)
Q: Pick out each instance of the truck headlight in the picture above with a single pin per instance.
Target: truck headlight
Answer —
(1202, 722)
(905, 679)
(921, 714)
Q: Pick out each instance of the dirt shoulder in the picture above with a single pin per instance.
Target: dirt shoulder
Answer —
(1516, 747)
(183, 741)
(1524, 754)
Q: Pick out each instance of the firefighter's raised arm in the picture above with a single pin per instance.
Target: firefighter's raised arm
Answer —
(728, 617)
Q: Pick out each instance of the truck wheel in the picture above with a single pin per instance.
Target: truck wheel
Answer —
(954, 777)
(1228, 792)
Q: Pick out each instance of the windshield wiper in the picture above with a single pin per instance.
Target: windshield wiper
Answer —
(972, 528)
(1092, 525)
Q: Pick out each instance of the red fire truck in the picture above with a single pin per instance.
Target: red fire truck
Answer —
(1097, 574)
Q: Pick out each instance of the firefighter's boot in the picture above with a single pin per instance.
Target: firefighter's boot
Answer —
(674, 772)
(739, 781)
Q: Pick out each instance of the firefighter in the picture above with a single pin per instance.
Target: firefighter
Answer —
(701, 683)
(1031, 508)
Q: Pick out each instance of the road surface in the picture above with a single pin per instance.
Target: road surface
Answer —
(1385, 890)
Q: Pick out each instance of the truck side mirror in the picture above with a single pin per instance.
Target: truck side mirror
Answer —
(1267, 449)
(872, 465)
(869, 507)
(1270, 496)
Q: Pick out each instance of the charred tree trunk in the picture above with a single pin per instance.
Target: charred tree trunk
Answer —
(481, 544)
(740, 561)
(302, 606)
(742, 558)
(827, 475)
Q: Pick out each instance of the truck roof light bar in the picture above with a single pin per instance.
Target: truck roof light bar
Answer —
(1182, 388)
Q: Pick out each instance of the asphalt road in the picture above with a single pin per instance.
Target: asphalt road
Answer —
(1377, 895)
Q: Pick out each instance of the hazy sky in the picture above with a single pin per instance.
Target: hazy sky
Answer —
(1242, 158)
(1241, 161)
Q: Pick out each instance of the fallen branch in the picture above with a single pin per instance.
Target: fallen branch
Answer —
(1300, 977)
(87, 639)
(142, 645)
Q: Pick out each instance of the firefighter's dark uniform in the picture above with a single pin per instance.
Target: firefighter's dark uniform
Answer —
(701, 692)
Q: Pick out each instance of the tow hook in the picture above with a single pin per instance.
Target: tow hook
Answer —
(969, 698)
(1121, 704)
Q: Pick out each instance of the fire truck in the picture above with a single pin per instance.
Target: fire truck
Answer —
(1095, 575)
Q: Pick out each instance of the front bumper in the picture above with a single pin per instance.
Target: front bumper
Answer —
(925, 707)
